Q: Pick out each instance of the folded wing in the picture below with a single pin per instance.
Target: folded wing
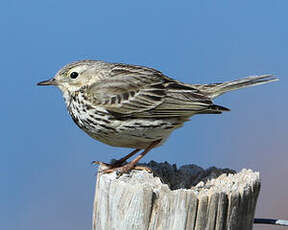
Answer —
(136, 91)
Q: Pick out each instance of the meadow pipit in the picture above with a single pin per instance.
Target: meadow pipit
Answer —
(134, 106)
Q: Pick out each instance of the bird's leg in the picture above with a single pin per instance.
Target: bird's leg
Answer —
(123, 159)
(132, 164)
(116, 163)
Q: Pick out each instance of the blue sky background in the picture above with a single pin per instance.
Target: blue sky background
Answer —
(47, 180)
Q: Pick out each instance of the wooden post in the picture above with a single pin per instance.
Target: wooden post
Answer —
(176, 199)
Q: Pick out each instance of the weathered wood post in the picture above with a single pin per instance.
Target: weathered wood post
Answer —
(187, 198)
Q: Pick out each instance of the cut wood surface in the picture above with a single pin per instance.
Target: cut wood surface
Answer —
(181, 199)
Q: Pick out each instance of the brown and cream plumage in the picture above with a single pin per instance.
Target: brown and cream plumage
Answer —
(134, 106)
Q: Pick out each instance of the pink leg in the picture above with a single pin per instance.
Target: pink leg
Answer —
(118, 162)
(123, 159)
(131, 165)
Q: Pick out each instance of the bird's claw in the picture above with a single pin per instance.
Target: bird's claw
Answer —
(124, 169)
(118, 168)
(102, 164)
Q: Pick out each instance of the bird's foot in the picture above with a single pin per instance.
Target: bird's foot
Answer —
(120, 170)
(102, 164)
(113, 164)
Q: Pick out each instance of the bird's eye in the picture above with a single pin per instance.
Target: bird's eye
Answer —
(74, 75)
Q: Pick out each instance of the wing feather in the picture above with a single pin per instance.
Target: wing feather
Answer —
(144, 92)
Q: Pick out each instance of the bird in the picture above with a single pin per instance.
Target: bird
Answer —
(134, 106)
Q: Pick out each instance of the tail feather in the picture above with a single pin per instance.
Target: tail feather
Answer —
(215, 90)
(214, 109)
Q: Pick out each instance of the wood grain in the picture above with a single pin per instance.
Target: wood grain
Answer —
(177, 199)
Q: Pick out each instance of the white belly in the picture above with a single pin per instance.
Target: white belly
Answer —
(136, 133)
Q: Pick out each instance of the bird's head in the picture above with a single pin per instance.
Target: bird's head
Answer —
(76, 75)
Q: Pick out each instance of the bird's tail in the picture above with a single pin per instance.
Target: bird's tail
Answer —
(215, 90)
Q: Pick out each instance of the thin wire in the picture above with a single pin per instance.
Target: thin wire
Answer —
(271, 221)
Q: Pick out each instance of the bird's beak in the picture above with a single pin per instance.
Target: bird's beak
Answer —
(51, 81)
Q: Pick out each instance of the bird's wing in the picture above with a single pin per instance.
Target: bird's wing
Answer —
(129, 90)
(144, 92)
(185, 100)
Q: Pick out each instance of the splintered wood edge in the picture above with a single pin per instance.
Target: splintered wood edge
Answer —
(240, 182)
(231, 183)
